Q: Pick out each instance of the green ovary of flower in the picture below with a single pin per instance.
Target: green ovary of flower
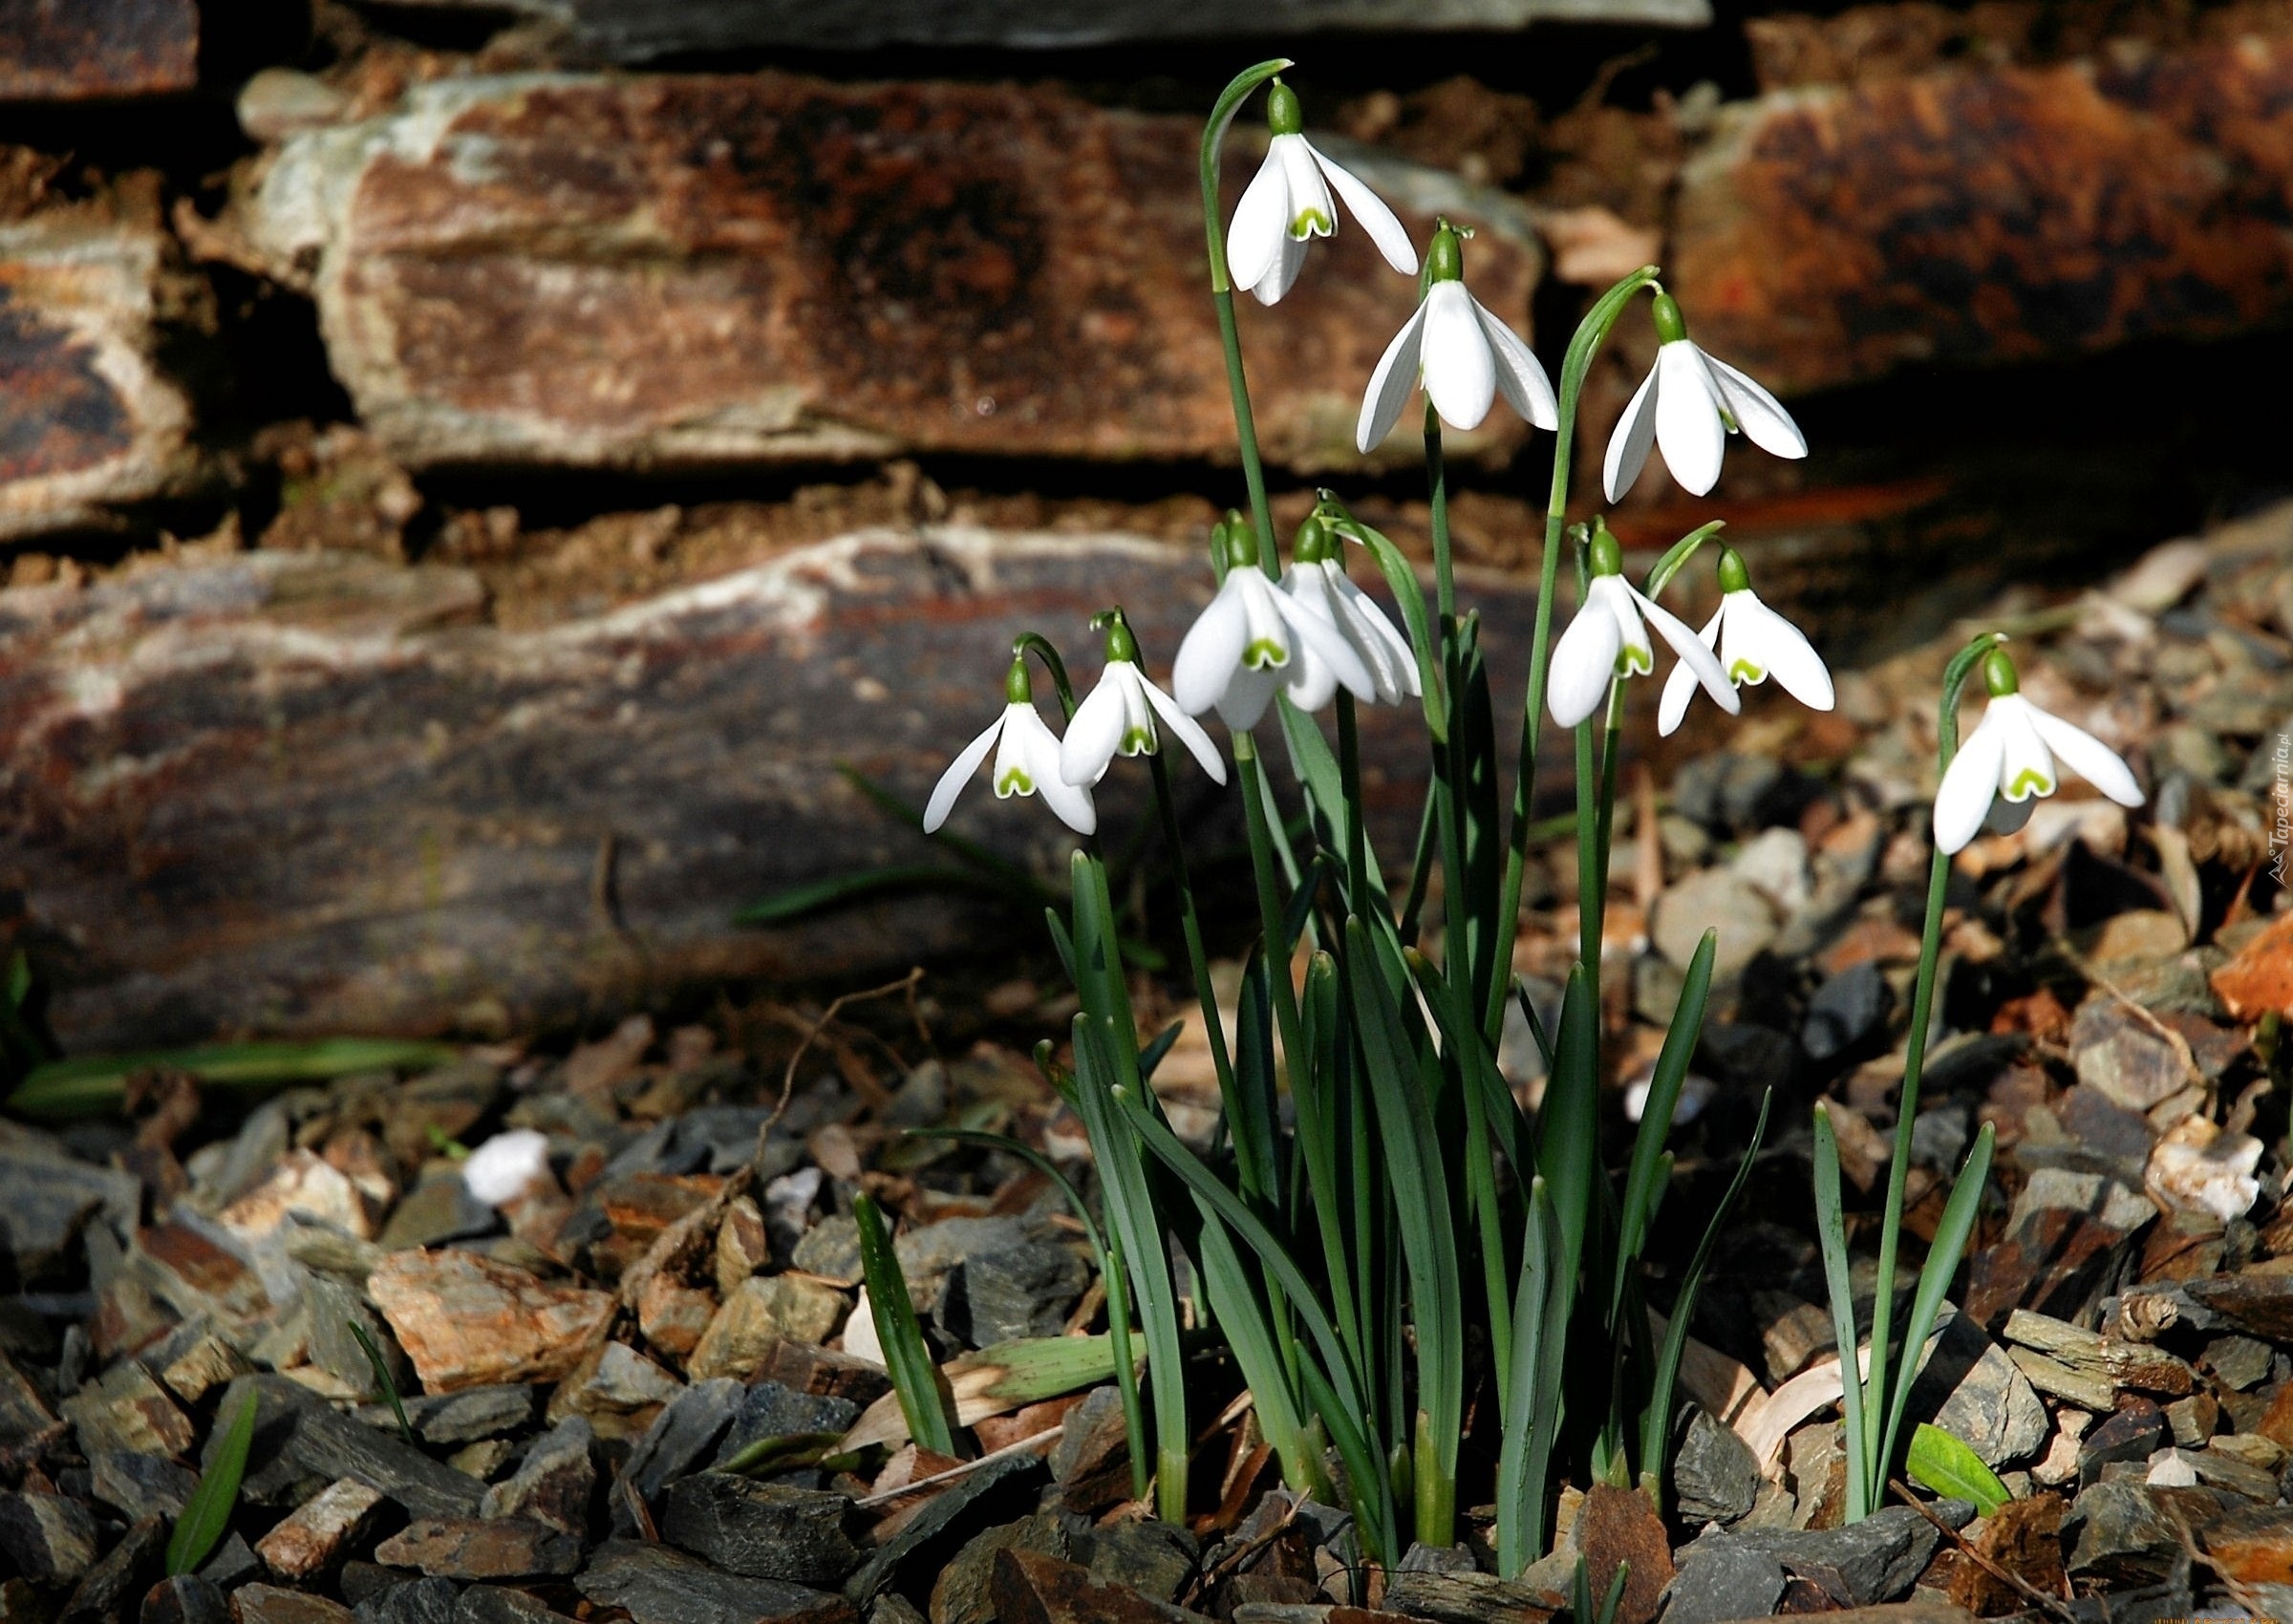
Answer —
(2027, 782)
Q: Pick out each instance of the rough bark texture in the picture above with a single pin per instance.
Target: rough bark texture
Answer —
(706, 271)
(1834, 234)
(87, 417)
(79, 49)
(634, 30)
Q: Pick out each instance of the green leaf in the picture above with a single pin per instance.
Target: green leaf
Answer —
(821, 895)
(1942, 1463)
(1641, 1188)
(1401, 580)
(208, 1513)
(96, 1082)
(1830, 1235)
(1951, 1236)
(384, 1382)
(1520, 1482)
(1679, 554)
(782, 1453)
(914, 1375)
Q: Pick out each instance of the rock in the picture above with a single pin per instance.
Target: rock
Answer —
(825, 1373)
(2024, 1537)
(325, 1440)
(303, 1184)
(682, 1437)
(1845, 1011)
(1719, 1581)
(465, 1417)
(99, 50)
(51, 1196)
(1775, 862)
(89, 415)
(122, 1573)
(1032, 257)
(1092, 1460)
(660, 1586)
(765, 1529)
(493, 1604)
(2122, 1057)
(1976, 1394)
(1003, 1295)
(553, 1484)
(1715, 1477)
(962, 1594)
(2252, 1545)
(1154, 1558)
(482, 1548)
(1713, 897)
(743, 1246)
(272, 1604)
(436, 1211)
(1890, 261)
(2121, 1535)
(419, 1601)
(125, 1410)
(2240, 1362)
(620, 1382)
(185, 1598)
(51, 1539)
(313, 1537)
(2259, 977)
(24, 1414)
(466, 1321)
(1029, 1588)
(2135, 1432)
(1621, 1527)
(140, 1485)
(2257, 1299)
(771, 1409)
(933, 1534)
(1463, 1598)
(767, 1309)
(1874, 1560)
(2109, 1201)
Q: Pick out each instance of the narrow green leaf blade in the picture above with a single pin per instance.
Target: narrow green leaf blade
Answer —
(384, 1382)
(1939, 1462)
(1951, 1236)
(799, 901)
(1641, 1188)
(1831, 1234)
(914, 1375)
(96, 1082)
(208, 1513)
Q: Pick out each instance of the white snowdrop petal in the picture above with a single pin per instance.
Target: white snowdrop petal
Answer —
(2087, 755)
(1632, 636)
(507, 1165)
(1777, 647)
(1038, 745)
(1969, 786)
(1584, 663)
(1261, 220)
(1687, 418)
(2026, 765)
(1319, 635)
(1391, 384)
(1212, 651)
(1095, 732)
(1312, 212)
(1680, 686)
(1692, 652)
(959, 773)
(1289, 259)
(1246, 698)
(1187, 730)
(1461, 375)
(1629, 442)
(1370, 211)
(1520, 376)
(1757, 413)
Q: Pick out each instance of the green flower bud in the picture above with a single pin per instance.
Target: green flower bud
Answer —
(1283, 115)
(1733, 576)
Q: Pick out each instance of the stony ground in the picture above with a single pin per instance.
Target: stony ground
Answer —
(589, 1371)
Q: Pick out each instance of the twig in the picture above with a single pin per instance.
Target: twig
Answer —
(965, 1470)
(2021, 1586)
(904, 983)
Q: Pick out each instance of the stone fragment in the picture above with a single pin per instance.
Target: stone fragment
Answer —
(23, 1413)
(2024, 1537)
(961, 1592)
(482, 1548)
(313, 1537)
(1032, 257)
(1000, 1296)
(674, 1315)
(1715, 1477)
(274, 1604)
(830, 1249)
(1845, 1011)
(436, 1211)
(185, 1598)
(2252, 1546)
(1876, 1560)
(465, 1417)
(1092, 1460)
(1461, 1597)
(1621, 1527)
(52, 1195)
(465, 1320)
(122, 1571)
(1893, 257)
(553, 1484)
(1029, 1588)
(2135, 1432)
(100, 50)
(659, 1586)
(682, 1437)
(771, 1409)
(765, 1529)
(2122, 1057)
(140, 1485)
(496, 1604)
(2121, 1536)
(2142, 1366)
(418, 1601)
(2259, 977)
(51, 1539)
(1987, 1404)
(191, 1270)
(325, 1439)
(125, 1410)
(767, 1309)
(1719, 1581)
(305, 1184)
(2240, 1362)
(2257, 1299)
(742, 1245)
(933, 1535)
(1709, 898)
(1154, 1558)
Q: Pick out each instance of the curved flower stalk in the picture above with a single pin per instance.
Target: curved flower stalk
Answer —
(1687, 406)
(2015, 752)
(1027, 761)
(1246, 644)
(1753, 643)
(1120, 716)
(1464, 355)
(1317, 578)
(1609, 640)
(1289, 204)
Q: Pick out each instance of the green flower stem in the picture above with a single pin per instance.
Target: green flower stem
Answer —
(1222, 295)
(1313, 1140)
(1611, 755)
(1448, 769)
(1255, 1160)
(1356, 831)
(1590, 332)
(1437, 481)
(1591, 870)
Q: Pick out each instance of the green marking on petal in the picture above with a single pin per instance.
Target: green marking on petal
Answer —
(1138, 741)
(1015, 781)
(1744, 670)
(1310, 222)
(2027, 782)
(1633, 662)
(1264, 652)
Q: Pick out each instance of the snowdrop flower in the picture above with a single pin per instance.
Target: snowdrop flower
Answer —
(1466, 356)
(1118, 718)
(1317, 578)
(1754, 643)
(2013, 752)
(1026, 761)
(1287, 204)
(1609, 639)
(507, 1165)
(1688, 405)
(1246, 643)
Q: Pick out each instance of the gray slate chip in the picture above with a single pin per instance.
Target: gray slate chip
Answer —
(660, 1586)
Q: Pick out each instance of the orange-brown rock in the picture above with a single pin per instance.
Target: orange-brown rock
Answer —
(1992, 214)
(91, 48)
(2260, 977)
(694, 272)
(466, 1320)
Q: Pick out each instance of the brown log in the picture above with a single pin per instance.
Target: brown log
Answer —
(1985, 215)
(702, 271)
(85, 48)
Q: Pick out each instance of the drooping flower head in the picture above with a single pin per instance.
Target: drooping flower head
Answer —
(1317, 578)
(1287, 204)
(1608, 640)
(2016, 752)
(1026, 761)
(1466, 356)
(1245, 645)
(1754, 643)
(1688, 405)
(1120, 716)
